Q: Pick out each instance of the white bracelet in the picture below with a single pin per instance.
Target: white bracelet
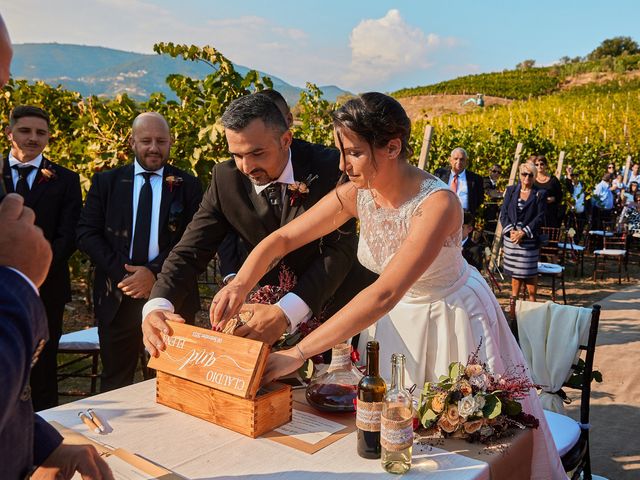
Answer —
(302, 357)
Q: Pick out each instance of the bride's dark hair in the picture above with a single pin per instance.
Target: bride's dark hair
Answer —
(376, 118)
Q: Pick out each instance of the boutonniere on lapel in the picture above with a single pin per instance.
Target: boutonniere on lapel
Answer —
(173, 182)
(175, 214)
(299, 190)
(47, 173)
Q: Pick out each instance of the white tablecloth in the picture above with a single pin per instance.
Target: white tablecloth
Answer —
(201, 450)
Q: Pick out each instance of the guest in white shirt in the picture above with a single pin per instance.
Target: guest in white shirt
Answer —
(602, 202)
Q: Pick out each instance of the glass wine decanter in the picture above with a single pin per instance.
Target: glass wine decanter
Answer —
(337, 388)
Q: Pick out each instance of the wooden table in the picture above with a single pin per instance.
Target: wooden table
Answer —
(200, 450)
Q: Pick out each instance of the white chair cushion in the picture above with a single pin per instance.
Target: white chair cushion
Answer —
(549, 268)
(611, 252)
(569, 246)
(601, 233)
(564, 430)
(80, 340)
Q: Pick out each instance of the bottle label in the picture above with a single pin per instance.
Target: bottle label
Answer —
(340, 357)
(396, 430)
(368, 416)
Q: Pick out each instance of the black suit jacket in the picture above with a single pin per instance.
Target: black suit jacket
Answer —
(56, 202)
(532, 215)
(475, 187)
(106, 227)
(232, 205)
(25, 439)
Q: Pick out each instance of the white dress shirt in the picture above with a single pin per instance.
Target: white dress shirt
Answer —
(32, 174)
(156, 188)
(463, 188)
(293, 307)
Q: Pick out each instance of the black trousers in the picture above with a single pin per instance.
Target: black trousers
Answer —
(121, 345)
(44, 374)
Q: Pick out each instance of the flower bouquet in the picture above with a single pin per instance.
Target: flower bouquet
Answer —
(473, 403)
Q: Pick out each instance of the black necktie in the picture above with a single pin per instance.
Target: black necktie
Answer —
(274, 196)
(22, 185)
(142, 233)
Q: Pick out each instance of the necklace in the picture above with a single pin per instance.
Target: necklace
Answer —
(525, 190)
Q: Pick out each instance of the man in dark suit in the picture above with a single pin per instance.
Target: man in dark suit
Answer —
(132, 218)
(26, 440)
(252, 195)
(471, 251)
(467, 185)
(53, 192)
(491, 189)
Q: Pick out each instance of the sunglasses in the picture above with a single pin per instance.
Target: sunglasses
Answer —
(610, 166)
(540, 164)
(495, 171)
(526, 174)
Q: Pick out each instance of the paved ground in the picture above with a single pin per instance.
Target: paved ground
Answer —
(615, 403)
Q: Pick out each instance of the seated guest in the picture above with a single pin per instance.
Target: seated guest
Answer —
(471, 251)
(132, 218)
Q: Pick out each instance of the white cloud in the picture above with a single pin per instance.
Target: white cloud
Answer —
(386, 47)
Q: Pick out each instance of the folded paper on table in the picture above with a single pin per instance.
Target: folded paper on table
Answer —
(306, 433)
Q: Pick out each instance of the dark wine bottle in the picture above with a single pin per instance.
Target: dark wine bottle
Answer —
(371, 391)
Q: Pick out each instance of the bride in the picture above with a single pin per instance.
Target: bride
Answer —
(428, 303)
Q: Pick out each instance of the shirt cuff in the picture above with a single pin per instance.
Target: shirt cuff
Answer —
(228, 278)
(27, 279)
(295, 309)
(157, 304)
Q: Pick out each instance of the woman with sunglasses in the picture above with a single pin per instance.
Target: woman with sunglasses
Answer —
(522, 216)
(546, 181)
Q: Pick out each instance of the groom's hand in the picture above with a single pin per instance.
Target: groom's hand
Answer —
(267, 323)
(153, 326)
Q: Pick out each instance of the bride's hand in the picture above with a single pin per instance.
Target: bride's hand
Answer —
(281, 363)
(226, 304)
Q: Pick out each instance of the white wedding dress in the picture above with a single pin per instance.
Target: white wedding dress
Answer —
(446, 314)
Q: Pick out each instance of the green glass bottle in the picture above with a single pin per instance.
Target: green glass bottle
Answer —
(396, 429)
(371, 390)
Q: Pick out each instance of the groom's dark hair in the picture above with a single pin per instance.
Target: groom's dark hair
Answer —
(242, 111)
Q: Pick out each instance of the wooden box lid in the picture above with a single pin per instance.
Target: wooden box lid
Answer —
(223, 362)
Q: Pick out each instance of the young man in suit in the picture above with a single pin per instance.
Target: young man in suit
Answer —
(467, 185)
(251, 195)
(53, 193)
(132, 217)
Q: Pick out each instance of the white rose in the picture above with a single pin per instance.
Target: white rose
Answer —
(466, 406)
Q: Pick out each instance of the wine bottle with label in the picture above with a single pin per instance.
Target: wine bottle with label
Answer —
(396, 426)
(371, 391)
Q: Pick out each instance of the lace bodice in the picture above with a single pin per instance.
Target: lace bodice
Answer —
(383, 230)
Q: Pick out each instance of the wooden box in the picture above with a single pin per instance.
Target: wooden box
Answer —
(216, 377)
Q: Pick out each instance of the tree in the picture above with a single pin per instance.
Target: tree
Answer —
(615, 47)
(526, 64)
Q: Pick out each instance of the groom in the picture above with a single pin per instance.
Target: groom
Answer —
(250, 196)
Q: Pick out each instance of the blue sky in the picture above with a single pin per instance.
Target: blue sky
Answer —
(356, 44)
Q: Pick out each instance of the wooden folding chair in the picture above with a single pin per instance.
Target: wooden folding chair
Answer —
(616, 248)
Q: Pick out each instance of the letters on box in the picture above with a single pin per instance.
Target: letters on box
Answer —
(224, 362)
